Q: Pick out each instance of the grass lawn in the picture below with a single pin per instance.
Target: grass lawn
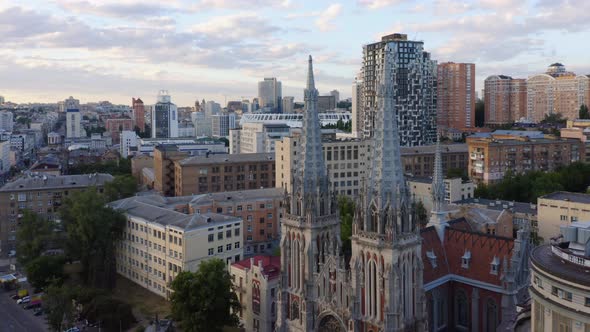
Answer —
(143, 301)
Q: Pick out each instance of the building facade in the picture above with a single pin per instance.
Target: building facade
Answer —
(492, 155)
(40, 194)
(257, 137)
(159, 242)
(326, 103)
(74, 127)
(560, 282)
(164, 117)
(138, 113)
(415, 92)
(456, 189)
(561, 209)
(456, 96)
(270, 95)
(6, 121)
(505, 100)
(288, 104)
(116, 126)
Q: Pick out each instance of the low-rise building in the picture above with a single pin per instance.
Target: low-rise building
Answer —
(456, 189)
(491, 155)
(561, 208)
(256, 282)
(42, 194)
(257, 137)
(159, 242)
(560, 281)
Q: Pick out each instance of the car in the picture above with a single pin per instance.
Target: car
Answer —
(15, 297)
(32, 306)
(25, 299)
(73, 329)
(38, 312)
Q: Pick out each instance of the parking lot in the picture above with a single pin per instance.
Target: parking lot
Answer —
(14, 318)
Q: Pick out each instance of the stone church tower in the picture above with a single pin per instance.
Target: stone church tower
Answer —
(381, 289)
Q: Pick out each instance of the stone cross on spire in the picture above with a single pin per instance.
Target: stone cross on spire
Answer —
(311, 193)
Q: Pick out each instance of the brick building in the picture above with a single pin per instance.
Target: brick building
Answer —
(138, 113)
(456, 96)
(118, 125)
(505, 99)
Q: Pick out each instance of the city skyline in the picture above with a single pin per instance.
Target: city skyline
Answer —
(114, 50)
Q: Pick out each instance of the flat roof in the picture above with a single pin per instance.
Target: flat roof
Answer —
(227, 158)
(497, 204)
(544, 258)
(568, 196)
(36, 182)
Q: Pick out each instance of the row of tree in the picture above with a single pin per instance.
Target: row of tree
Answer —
(529, 186)
(341, 125)
(116, 167)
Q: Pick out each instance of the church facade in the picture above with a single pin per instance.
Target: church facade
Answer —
(382, 287)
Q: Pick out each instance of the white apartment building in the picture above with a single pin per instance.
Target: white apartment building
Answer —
(257, 137)
(128, 139)
(455, 190)
(6, 121)
(159, 242)
(256, 282)
(4, 156)
(74, 124)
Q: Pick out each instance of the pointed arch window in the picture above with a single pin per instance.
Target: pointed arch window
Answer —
(461, 310)
(491, 316)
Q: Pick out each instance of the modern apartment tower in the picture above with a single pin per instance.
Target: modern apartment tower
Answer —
(73, 118)
(414, 80)
(164, 117)
(270, 94)
(288, 104)
(505, 100)
(456, 96)
(138, 113)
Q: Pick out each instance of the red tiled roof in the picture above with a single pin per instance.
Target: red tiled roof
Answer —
(271, 265)
(458, 240)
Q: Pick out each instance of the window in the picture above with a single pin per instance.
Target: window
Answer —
(220, 249)
(491, 315)
(220, 236)
(249, 207)
(211, 237)
(462, 310)
(249, 218)
(537, 281)
(228, 247)
(237, 245)
(587, 302)
(228, 233)
(563, 218)
(269, 216)
(236, 231)
(465, 260)
(239, 208)
(495, 266)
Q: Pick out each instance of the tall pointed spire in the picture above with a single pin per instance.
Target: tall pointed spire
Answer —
(311, 190)
(438, 186)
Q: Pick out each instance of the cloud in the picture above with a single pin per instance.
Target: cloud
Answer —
(124, 9)
(376, 4)
(324, 21)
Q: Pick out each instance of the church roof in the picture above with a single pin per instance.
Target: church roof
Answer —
(271, 265)
(482, 250)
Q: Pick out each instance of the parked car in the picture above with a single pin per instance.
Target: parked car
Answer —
(25, 299)
(38, 312)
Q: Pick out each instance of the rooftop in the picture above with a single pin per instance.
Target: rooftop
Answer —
(227, 158)
(496, 204)
(271, 265)
(568, 196)
(146, 208)
(36, 182)
(545, 258)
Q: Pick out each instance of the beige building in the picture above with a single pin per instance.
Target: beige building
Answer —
(560, 282)
(42, 194)
(456, 96)
(455, 190)
(505, 100)
(257, 137)
(159, 242)
(561, 208)
(256, 282)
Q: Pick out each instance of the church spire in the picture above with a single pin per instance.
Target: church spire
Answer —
(438, 186)
(311, 192)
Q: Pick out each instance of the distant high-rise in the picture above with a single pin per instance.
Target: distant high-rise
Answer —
(288, 104)
(357, 120)
(414, 79)
(270, 95)
(164, 117)
(326, 103)
(212, 108)
(138, 113)
(2, 100)
(456, 96)
(74, 128)
(198, 106)
(336, 95)
(6, 121)
(505, 99)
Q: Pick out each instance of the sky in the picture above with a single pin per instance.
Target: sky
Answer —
(218, 50)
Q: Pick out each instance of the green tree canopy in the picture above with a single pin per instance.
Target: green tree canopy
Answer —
(44, 270)
(346, 209)
(122, 186)
(583, 113)
(34, 235)
(204, 300)
(91, 237)
(59, 308)
(479, 113)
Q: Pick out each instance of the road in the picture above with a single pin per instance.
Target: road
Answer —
(14, 318)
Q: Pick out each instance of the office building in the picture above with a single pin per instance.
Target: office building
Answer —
(557, 91)
(357, 108)
(117, 125)
(202, 124)
(414, 78)
(326, 103)
(505, 100)
(270, 95)
(6, 121)
(159, 242)
(138, 113)
(456, 96)
(256, 282)
(336, 95)
(288, 105)
(257, 137)
(560, 289)
(128, 140)
(164, 117)
(222, 123)
(491, 155)
(560, 209)
(41, 194)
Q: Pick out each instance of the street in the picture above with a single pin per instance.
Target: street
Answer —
(15, 318)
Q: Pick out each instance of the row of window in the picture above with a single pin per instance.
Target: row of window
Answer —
(228, 247)
(156, 233)
(211, 237)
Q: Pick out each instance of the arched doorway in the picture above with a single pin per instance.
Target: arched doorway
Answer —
(330, 324)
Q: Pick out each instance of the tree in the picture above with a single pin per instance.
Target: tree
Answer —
(57, 303)
(346, 209)
(44, 270)
(479, 113)
(34, 235)
(204, 300)
(92, 232)
(457, 173)
(122, 186)
(584, 114)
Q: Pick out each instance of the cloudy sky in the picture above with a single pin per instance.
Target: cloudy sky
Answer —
(219, 49)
